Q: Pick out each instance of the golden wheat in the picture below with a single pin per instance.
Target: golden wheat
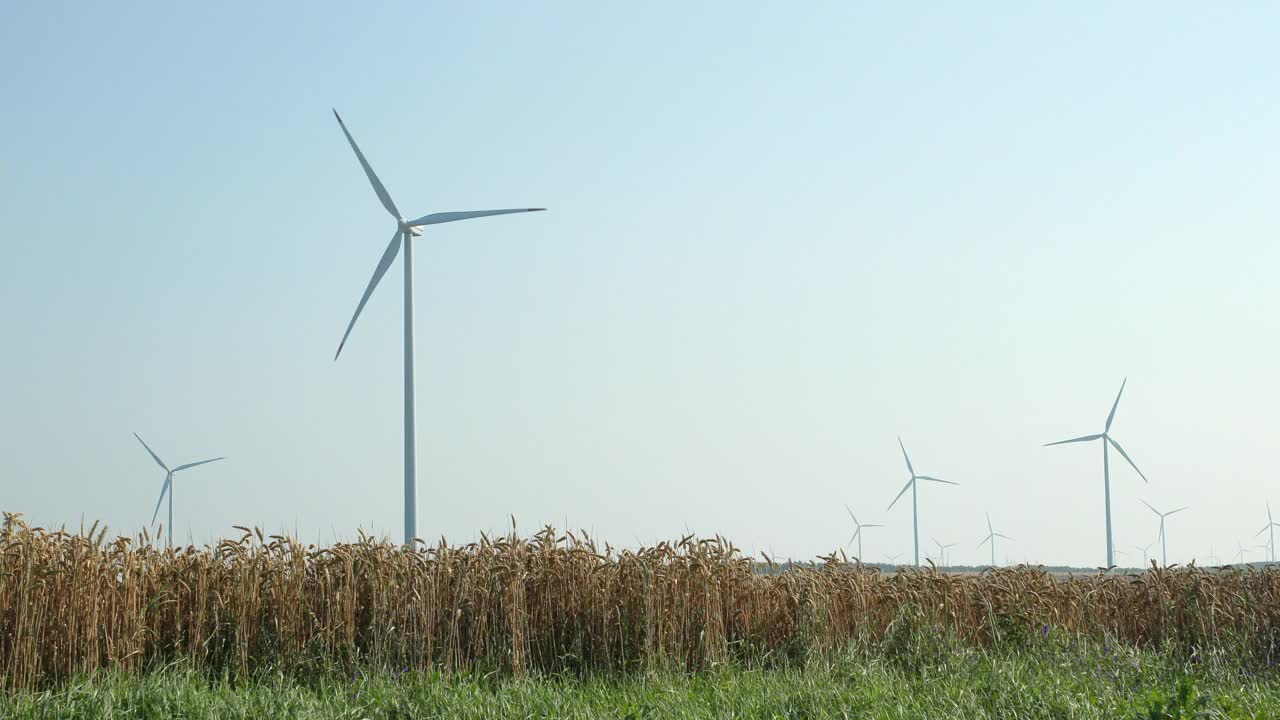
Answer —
(77, 602)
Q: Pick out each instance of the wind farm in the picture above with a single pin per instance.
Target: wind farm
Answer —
(588, 460)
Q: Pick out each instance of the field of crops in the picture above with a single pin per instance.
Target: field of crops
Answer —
(72, 604)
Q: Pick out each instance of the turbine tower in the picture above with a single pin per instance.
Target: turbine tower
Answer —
(1164, 553)
(915, 509)
(1271, 525)
(167, 487)
(857, 534)
(406, 230)
(991, 538)
(1106, 438)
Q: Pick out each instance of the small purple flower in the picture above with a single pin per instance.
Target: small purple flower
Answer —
(1044, 632)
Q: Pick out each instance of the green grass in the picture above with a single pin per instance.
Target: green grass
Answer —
(1056, 680)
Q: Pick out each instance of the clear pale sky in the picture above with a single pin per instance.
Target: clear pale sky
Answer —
(779, 235)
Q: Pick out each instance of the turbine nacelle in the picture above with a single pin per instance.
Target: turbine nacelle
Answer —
(408, 229)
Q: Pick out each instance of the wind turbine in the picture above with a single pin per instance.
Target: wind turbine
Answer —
(1271, 525)
(915, 512)
(167, 487)
(857, 534)
(991, 538)
(1164, 554)
(1240, 553)
(406, 230)
(893, 559)
(1146, 560)
(1106, 438)
(942, 552)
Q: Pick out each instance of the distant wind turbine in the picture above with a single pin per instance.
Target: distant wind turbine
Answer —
(1146, 560)
(1106, 438)
(1164, 553)
(991, 538)
(915, 511)
(857, 534)
(406, 230)
(167, 487)
(1240, 553)
(1271, 525)
(893, 559)
(942, 552)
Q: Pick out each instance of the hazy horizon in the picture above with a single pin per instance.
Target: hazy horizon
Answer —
(777, 239)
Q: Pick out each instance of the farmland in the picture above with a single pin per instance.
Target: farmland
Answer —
(516, 623)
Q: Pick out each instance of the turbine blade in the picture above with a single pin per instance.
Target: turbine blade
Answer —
(163, 489)
(383, 196)
(905, 457)
(444, 217)
(1144, 502)
(1006, 537)
(1116, 445)
(1116, 404)
(934, 479)
(388, 256)
(153, 455)
(989, 528)
(852, 537)
(985, 540)
(867, 525)
(904, 489)
(1083, 438)
(850, 511)
(1264, 529)
(1187, 507)
(202, 462)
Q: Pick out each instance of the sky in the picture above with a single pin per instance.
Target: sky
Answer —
(778, 237)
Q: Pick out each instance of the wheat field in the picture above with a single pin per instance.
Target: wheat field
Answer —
(554, 602)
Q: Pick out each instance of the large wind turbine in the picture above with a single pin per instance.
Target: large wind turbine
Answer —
(167, 487)
(406, 230)
(857, 534)
(1106, 438)
(915, 511)
(1164, 553)
(1271, 525)
(991, 538)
